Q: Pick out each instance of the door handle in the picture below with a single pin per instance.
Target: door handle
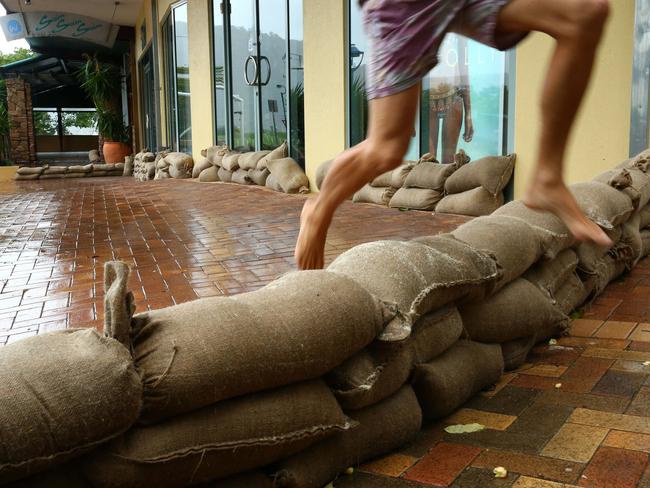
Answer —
(246, 79)
(268, 76)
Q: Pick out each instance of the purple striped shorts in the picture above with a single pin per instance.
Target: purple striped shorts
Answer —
(405, 36)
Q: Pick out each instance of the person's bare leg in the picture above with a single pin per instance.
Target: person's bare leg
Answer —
(389, 133)
(451, 131)
(577, 27)
(434, 129)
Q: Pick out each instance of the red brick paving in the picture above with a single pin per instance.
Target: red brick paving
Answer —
(185, 240)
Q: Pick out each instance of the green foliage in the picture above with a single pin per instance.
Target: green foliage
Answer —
(358, 109)
(44, 124)
(297, 96)
(83, 120)
(19, 54)
(111, 126)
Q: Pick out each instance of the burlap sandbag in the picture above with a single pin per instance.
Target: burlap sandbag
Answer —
(230, 161)
(373, 194)
(607, 269)
(61, 170)
(415, 198)
(272, 183)
(201, 165)
(162, 174)
(645, 242)
(97, 173)
(258, 176)
(103, 167)
(630, 247)
(634, 182)
(210, 174)
(549, 275)
(644, 217)
(444, 384)
(180, 165)
(590, 254)
(74, 175)
(517, 310)
(80, 169)
(513, 243)
(240, 176)
(27, 170)
(288, 174)
(321, 172)
(128, 166)
(474, 203)
(492, 173)
(515, 352)
(418, 276)
(394, 178)
(215, 154)
(430, 175)
(65, 476)
(197, 353)
(602, 203)
(220, 440)
(249, 160)
(250, 479)
(63, 393)
(148, 157)
(571, 294)
(382, 428)
(27, 177)
(119, 303)
(280, 152)
(382, 368)
(545, 223)
(93, 156)
(224, 175)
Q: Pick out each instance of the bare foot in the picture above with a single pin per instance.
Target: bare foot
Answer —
(556, 198)
(310, 246)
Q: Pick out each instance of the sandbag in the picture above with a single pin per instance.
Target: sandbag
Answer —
(632, 181)
(250, 479)
(34, 176)
(63, 393)
(492, 173)
(180, 165)
(102, 167)
(215, 154)
(258, 176)
(288, 174)
(372, 194)
(382, 428)
(444, 384)
(230, 161)
(72, 175)
(645, 242)
(249, 160)
(80, 169)
(220, 440)
(590, 254)
(150, 170)
(607, 269)
(474, 203)
(418, 276)
(58, 170)
(148, 157)
(210, 174)
(272, 183)
(93, 156)
(240, 176)
(515, 352)
(27, 170)
(549, 276)
(415, 198)
(630, 247)
(128, 166)
(280, 152)
(321, 172)
(65, 476)
(517, 310)
(98, 173)
(514, 244)
(394, 178)
(251, 342)
(224, 175)
(56, 176)
(644, 217)
(382, 368)
(605, 205)
(200, 165)
(544, 223)
(571, 294)
(429, 175)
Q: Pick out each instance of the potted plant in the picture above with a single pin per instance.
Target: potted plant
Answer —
(101, 82)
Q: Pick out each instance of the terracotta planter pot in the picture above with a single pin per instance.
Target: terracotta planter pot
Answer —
(114, 152)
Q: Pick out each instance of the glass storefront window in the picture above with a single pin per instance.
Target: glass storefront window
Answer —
(219, 75)
(72, 122)
(177, 79)
(462, 104)
(297, 75)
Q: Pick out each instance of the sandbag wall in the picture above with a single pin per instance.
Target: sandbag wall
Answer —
(273, 169)
(289, 385)
(458, 188)
(74, 171)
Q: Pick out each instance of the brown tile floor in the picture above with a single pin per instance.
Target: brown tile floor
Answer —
(577, 415)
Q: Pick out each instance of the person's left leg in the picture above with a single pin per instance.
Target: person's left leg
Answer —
(451, 131)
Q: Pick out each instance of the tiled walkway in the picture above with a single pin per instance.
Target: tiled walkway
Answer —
(577, 415)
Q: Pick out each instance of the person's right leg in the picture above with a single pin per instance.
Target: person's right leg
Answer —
(434, 129)
(389, 134)
(451, 131)
(577, 26)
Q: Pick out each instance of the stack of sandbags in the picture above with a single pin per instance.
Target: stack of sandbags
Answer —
(54, 172)
(179, 165)
(234, 412)
(380, 190)
(477, 188)
(144, 166)
(29, 172)
(201, 165)
(424, 186)
(286, 175)
(79, 171)
(64, 393)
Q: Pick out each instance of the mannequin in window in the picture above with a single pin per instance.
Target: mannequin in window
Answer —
(449, 99)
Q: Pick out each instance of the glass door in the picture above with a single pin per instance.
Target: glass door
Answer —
(148, 104)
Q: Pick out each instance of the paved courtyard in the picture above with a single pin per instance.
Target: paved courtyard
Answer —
(577, 415)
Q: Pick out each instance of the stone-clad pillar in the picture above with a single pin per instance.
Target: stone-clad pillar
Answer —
(21, 131)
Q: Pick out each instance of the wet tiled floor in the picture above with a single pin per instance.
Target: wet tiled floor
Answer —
(578, 414)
